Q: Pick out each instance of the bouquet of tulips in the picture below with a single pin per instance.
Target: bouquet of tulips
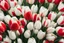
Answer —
(31, 21)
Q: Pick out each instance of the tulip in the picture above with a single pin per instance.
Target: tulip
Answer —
(12, 35)
(43, 11)
(41, 34)
(60, 20)
(34, 8)
(50, 30)
(37, 25)
(7, 19)
(51, 37)
(36, 17)
(2, 27)
(14, 24)
(45, 41)
(50, 1)
(1, 15)
(61, 7)
(27, 34)
(52, 15)
(12, 3)
(20, 2)
(46, 22)
(19, 40)
(61, 41)
(4, 5)
(41, 1)
(1, 37)
(23, 21)
(30, 1)
(35, 31)
(57, 1)
(31, 40)
(60, 31)
(7, 40)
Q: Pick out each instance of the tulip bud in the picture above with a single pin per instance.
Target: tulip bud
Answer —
(27, 34)
(34, 8)
(12, 35)
(46, 22)
(57, 1)
(61, 7)
(7, 40)
(52, 15)
(45, 41)
(12, 3)
(50, 30)
(1, 15)
(19, 40)
(51, 37)
(14, 24)
(1, 37)
(23, 21)
(30, 1)
(41, 34)
(60, 31)
(28, 15)
(2, 27)
(20, 2)
(50, 1)
(37, 25)
(60, 20)
(35, 31)
(31, 40)
(41, 1)
(61, 41)
(43, 11)
(36, 17)
(51, 5)
(7, 19)
(4, 5)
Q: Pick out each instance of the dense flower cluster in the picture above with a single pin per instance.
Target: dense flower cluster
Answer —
(31, 21)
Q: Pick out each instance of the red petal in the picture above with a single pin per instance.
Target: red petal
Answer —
(49, 1)
(62, 10)
(49, 16)
(57, 2)
(41, 1)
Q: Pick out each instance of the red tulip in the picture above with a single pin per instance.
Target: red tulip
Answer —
(41, 1)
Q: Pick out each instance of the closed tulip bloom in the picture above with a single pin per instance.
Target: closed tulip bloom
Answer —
(60, 20)
(12, 3)
(50, 1)
(27, 34)
(61, 41)
(37, 25)
(45, 41)
(41, 34)
(35, 31)
(1, 15)
(1, 37)
(12, 35)
(7, 40)
(52, 15)
(19, 40)
(23, 21)
(43, 11)
(61, 7)
(30, 26)
(57, 1)
(51, 37)
(41, 1)
(20, 2)
(60, 31)
(31, 40)
(4, 5)
(34, 8)
(50, 30)
(7, 19)
(30, 1)
(2, 27)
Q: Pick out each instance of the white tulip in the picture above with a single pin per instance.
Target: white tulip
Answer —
(30, 1)
(7, 19)
(61, 41)
(20, 2)
(12, 34)
(30, 26)
(43, 11)
(37, 25)
(41, 34)
(31, 40)
(6, 39)
(34, 8)
(1, 15)
(50, 30)
(27, 34)
(35, 31)
(19, 40)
